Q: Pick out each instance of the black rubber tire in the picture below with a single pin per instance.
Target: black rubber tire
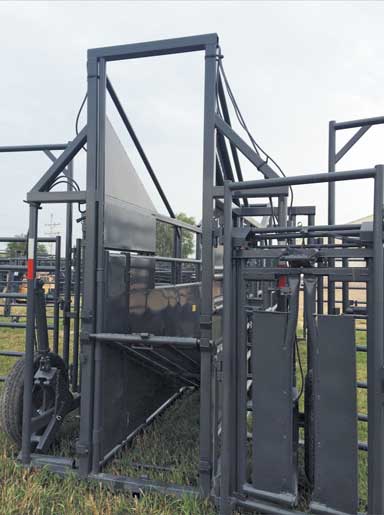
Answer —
(11, 399)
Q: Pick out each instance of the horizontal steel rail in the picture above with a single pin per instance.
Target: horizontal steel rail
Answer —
(18, 325)
(147, 340)
(20, 268)
(17, 239)
(295, 180)
(33, 148)
(11, 353)
(178, 223)
(175, 260)
(354, 124)
(154, 48)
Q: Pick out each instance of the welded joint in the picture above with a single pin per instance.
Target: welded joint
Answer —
(205, 344)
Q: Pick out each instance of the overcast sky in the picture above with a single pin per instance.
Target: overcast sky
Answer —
(293, 67)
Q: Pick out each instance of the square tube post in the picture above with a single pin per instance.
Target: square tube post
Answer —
(331, 208)
(228, 365)
(375, 358)
(100, 280)
(88, 317)
(30, 335)
(205, 467)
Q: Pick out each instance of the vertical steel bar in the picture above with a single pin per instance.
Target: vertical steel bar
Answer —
(227, 433)
(205, 468)
(88, 315)
(375, 359)
(76, 324)
(56, 296)
(282, 219)
(282, 211)
(30, 335)
(176, 267)
(331, 207)
(345, 285)
(41, 318)
(320, 293)
(100, 280)
(241, 382)
(311, 222)
(67, 272)
(198, 256)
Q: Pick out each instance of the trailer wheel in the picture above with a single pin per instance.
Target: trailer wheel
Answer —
(11, 399)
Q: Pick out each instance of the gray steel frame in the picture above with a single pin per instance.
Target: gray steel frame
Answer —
(218, 184)
(232, 492)
(334, 156)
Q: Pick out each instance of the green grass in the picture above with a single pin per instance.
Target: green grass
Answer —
(37, 492)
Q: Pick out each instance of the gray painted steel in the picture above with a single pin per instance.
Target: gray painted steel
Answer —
(129, 223)
(273, 459)
(335, 415)
(126, 381)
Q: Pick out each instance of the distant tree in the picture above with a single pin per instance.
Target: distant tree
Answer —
(14, 248)
(164, 237)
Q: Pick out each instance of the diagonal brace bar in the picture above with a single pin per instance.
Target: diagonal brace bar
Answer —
(245, 149)
(355, 138)
(139, 148)
(61, 162)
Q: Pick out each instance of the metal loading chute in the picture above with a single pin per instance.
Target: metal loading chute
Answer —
(263, 319)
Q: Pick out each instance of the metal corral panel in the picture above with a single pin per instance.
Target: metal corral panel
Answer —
(335, 413)
(274, 467)
(134, 305)
(137, 381)
(129, 223)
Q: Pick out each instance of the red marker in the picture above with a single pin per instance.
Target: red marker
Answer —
(31, 259)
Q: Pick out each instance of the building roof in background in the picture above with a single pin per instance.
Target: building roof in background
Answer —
(368, 218)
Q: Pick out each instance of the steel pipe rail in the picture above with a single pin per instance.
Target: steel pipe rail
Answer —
(349, 175)
(308, 228)
(174, 260)
(354, 124)
(147, 340)
(33, 148)
(178, 223)
(15, 239)
(11, 353)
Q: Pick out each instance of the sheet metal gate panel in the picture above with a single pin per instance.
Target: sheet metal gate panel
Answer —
(335, 415)
(129, 223)
(273, 467)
